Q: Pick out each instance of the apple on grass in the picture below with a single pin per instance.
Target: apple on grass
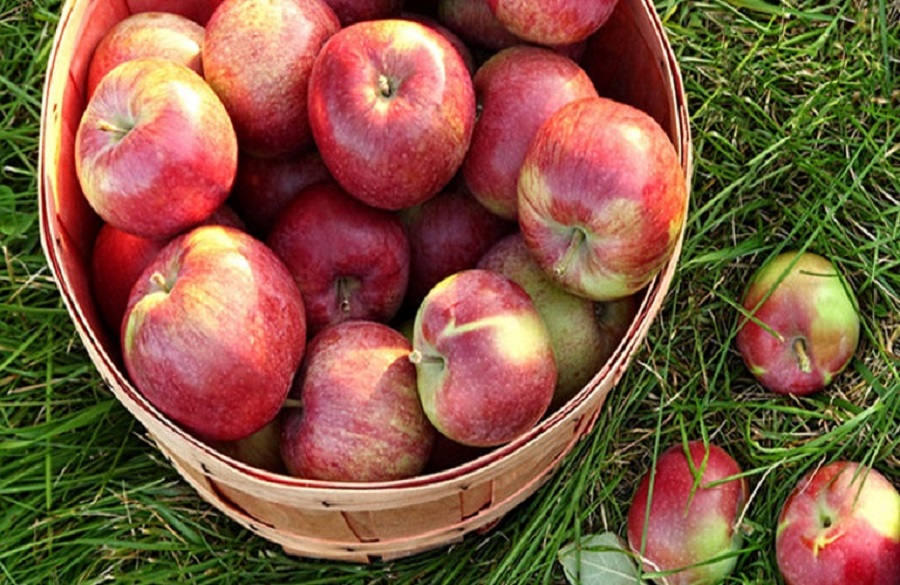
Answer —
(349, 260)
(360, 418)
(214, 332)
(392, 109)
(517, 90)
(485, 364)
(258, 56)
(840, 525)
(559, 22)
(155, 150)
(147, 34)
(581, 341)
(682, 518)
(804, 328)
(602, 198)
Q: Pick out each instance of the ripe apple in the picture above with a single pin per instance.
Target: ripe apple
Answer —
(602, 198)
(392, 109)
(360, 419)
(350, 260)
(448, 233)
(197, 10)
(258, 56)
(580, 344)
(118, 259)
(484, 359)
(461, 47)
(808, 327)
(476, 24)
(552, 23)
(147, 34)
(214, 332)
(517, 90)
(155, 151)
(350, 11)
(840, 524)
(263, 187)
(691, 516)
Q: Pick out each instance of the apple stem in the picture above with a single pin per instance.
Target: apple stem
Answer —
(417, 357)
(105, 126)
(159, 281)
(343, 296)
(385, 86)
(564, 262)
(292, 403)
(802, 356)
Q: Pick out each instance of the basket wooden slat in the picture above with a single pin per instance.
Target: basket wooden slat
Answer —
(629, 59)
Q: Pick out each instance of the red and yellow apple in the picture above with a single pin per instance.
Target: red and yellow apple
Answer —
(474, 22)
(559, 22)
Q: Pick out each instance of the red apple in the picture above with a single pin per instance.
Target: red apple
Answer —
(694, 502)
(392, 109)
(805, 327)
(454, 39)
(517, 90)
(486, 371)
(552, 23)
(350, 11)
(840, 524)
(197, 10)
(155, 151)
(360, 419)
(448, 233)
(580, 344)
(350, 261)
(602, 198)
(214, 332)
(258, 56)
(263, 187)
(118, 259)
(147, 34)
(474, 22)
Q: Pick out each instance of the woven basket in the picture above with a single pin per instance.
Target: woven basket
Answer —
(630, 59)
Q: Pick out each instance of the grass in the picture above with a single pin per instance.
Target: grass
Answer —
(795, 111)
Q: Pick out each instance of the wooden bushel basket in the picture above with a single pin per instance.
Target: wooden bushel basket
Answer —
(629, 59)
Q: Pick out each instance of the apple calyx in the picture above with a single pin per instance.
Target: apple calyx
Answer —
(387, 86)
(803, 362)
(345, 285)
(160, 283)
(578, 237)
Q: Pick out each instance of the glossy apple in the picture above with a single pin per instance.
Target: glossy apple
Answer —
(461, 47)
(350, 11)
(448, 233)
(214, 332)
(811, 324)
(486, 371)
(517, 90)
(580, 344)
(392, 109)
(552, 23)
(360, 418)
(691, 516)
(147, 34)
(197, 10)
(118, 259)
(155, 151)
(258, 56)
(350, 260)
(840, 524)
(602, 198)
(264, 187)
(474, 22)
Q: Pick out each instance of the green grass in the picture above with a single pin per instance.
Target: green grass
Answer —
(795, 110)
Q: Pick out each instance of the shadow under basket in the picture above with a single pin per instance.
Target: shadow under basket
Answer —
(629, 59)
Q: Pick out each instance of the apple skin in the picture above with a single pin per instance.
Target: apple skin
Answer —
(258, 56)
(155, 151)
(360, 420)
(485, 364)
(351, 11)
(392, 109)
(815, 316)
(118, 259)
(264, 187)
(448, 233)
(147, 34)
(214, 332)
(349, 260)
(552, 23)
(197, 10)
(840, 524)
(581, 345)
(476, 24)
(461, 47)
(517, 90)
(602, 198)
(689, 522)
